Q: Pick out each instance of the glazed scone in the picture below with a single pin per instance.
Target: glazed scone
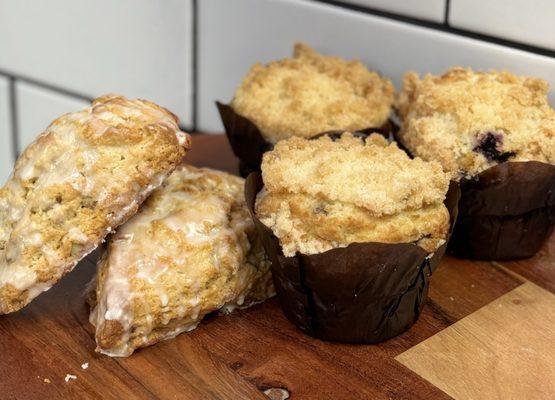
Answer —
(190, 250)
(85, 174)
(470, 121)
(322, 194)
(311, 93)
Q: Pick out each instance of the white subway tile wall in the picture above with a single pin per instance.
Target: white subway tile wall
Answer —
(6, 146)
(37, 108)
(235, 34)
(140, 48)
(63, 51)
(432, 10)
(525, 21)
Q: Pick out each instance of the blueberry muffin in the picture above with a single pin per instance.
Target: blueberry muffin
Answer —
(470, 121)
(303, 96)
(322, 194)
(495, 133)
(85, 174)
(189, 251)
(354, 229)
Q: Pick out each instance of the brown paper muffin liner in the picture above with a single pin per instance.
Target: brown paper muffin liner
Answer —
(505, 212)
(249, 145)
(362, 293)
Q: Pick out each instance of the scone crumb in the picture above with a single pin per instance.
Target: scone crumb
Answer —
(46, 380)
(85, 365)
(70, 377)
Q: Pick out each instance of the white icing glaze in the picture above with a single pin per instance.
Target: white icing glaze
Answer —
(18, 276)
(77, 235)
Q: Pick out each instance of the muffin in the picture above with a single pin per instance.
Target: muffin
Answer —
(190, 250)
(353, 228)
(86, 174)
(495, 133)
(304, 96)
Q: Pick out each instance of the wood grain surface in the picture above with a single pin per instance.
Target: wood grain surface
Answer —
(505, 350)
(249, 354)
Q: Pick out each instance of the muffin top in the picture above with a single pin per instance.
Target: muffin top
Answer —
(311, 93)
(321, 194)
(470, 121)
(371, 173)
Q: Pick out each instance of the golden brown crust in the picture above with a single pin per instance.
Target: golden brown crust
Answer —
(312, 93)
(191, 250)
(371, 174)
(85, 175)
(321, 194)
(450, 118)
(309, 225)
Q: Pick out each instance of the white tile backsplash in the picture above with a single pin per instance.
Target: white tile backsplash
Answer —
(432, 10)
(139, 48)
(144, 48)
(524, 21)
(37, 108)
(234, 34)
(6, 146)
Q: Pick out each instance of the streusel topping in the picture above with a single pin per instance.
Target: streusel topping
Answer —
(470, 121)
(311, 93)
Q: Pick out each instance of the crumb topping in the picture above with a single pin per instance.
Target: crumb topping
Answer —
(470, 121)
(311, 93)
(322, 194)
(372, 173)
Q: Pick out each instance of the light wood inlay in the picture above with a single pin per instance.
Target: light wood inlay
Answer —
(505, 350)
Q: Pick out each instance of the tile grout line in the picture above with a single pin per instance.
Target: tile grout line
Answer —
(13, 116)
(45, 85)
(438, 26)
(447, 9)
(12, 78)
(194, 64)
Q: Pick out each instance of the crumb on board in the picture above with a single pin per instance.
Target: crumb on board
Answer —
(452, 298)
(46, 380)
(70, 377)
(85, 365)
(277, 393)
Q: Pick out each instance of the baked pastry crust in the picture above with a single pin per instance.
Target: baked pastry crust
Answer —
(311, 93)
(321, 194)
(190, 250)
(84, 175)
(453, 117)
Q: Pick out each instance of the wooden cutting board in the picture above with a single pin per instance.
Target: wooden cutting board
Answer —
(487, 331)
